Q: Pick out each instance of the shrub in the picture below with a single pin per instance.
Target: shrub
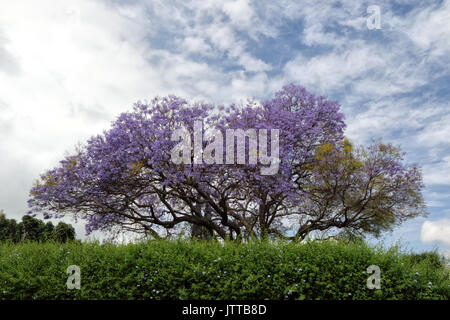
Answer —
(210, 270)
(433, 259)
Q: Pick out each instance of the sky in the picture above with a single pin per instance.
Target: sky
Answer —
(69, 68)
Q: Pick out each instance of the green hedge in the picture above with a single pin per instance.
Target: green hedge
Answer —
(210, 270)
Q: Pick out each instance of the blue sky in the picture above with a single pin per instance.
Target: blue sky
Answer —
(67, 68)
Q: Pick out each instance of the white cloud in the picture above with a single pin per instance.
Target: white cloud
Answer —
(436, 231)
(437, 199)
(436, 133)
(334, 70)
(223, 38)
(358, 23)
(429, 29)
(438, 172)
(368, 69)
(196, 45)
(239, 11)
(252, 64)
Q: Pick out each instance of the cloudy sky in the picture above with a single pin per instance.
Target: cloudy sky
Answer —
(68, 68)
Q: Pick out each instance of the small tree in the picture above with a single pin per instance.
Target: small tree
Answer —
(63, 232)
(32, 229)
(7, 228)
(49, 230)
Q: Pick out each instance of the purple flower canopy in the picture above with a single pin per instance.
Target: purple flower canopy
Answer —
(125, 179)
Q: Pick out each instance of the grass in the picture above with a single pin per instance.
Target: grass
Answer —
(211, 270)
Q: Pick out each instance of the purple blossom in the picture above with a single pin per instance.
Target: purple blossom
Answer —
(124, 179)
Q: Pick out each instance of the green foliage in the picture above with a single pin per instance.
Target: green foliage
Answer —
(210, 270)
(63, 232)
(432, 259)
(361, 190)
(49, 230)
(32, 229)
(9, 229)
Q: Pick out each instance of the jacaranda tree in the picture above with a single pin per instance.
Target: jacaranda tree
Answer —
(164, 166)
